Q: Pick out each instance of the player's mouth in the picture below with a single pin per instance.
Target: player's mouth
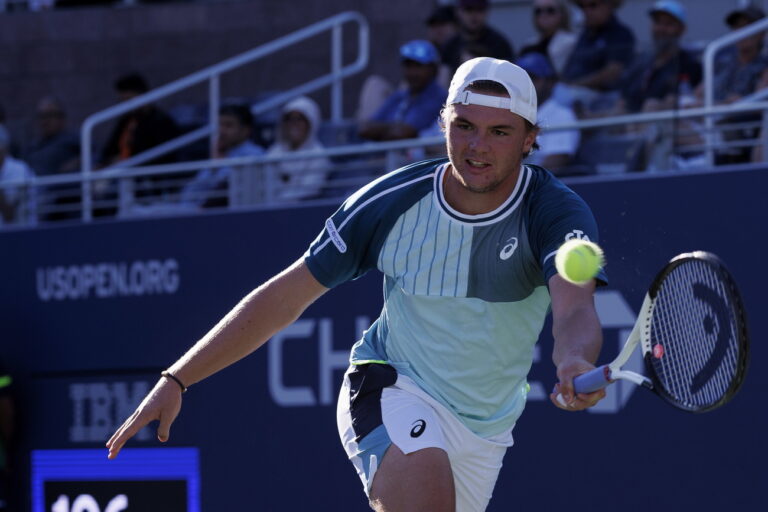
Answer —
(477, 165)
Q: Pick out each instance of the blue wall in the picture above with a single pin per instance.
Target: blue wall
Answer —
(265, 428)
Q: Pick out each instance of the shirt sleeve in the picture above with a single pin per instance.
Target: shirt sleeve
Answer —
(561, 215)
(346, 247)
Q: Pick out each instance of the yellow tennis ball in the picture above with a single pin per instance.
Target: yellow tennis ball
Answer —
(578, 261)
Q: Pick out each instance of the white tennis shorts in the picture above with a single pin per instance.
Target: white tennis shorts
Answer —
(378, 407)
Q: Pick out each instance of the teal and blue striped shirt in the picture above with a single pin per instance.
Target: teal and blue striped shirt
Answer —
(465, 296)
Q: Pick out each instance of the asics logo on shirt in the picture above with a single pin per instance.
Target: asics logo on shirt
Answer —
(508, 250)
(418, 428)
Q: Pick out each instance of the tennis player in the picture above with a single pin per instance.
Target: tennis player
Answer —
(466, 246)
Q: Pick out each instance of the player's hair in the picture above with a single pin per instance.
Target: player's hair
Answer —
(490, 87)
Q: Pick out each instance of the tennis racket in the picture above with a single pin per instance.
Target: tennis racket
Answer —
(692, 332)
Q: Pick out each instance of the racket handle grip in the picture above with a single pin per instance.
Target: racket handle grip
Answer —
(593, 380)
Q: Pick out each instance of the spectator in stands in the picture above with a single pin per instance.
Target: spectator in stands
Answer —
(552, 20)
(741, 71)
(556, 149)
(135, 132)
(442, 26)
(11, 170)
(474, 28)
(209, 187)
(298, 179)
(415, 107)
(603, 51)
(140, 129)
(57, 150)
(663, 78)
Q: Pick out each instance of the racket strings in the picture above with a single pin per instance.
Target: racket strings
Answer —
(696, 328)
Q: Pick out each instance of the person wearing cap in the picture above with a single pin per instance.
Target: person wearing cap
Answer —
(414, 107)
(556, 148)
(661, 78)
(740, 71)
(11, 170)
(466, 245)
(474, 28)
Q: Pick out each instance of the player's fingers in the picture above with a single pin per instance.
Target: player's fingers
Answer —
(586, 400)
(557, 398)
(566, 391)
(591, 399)
(128, 429)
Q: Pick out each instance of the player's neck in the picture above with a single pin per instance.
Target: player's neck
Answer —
(473, 202)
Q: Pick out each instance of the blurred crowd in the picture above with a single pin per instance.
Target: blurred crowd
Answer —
(587, 69)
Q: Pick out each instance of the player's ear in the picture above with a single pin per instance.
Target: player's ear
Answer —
(532, 131)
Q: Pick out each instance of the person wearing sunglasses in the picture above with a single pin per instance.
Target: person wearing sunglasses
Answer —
(552, 20)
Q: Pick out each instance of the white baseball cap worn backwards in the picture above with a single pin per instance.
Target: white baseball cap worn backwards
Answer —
(522, 95)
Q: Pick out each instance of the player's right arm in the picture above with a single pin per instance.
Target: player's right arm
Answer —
(256, 318)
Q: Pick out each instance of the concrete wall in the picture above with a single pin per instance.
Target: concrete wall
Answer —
(77, 53)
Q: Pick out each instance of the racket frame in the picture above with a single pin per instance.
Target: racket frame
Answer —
(735, 304)
(604, 375)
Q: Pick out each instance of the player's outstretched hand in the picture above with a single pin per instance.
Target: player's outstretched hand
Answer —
(563, 395)
(163, 403)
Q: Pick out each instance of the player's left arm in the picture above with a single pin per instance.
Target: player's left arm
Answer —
(578, 339)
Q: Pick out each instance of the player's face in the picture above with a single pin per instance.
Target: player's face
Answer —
(486, 146)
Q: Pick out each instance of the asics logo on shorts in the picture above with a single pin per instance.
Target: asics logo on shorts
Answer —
(418, 428)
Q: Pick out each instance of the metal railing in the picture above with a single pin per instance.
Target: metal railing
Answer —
(709, 72)
(212, 75)
(254, 182)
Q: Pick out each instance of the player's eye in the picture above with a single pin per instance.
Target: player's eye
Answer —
(463, 126)
(500, 133)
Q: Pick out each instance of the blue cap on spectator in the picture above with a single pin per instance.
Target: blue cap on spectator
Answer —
(671, 7)
(420, 51)
(536, 64)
